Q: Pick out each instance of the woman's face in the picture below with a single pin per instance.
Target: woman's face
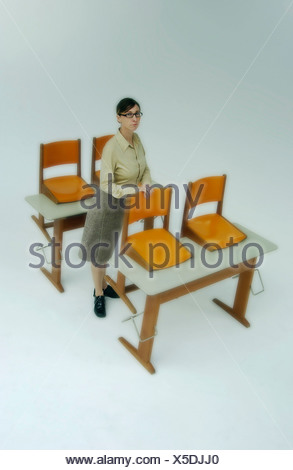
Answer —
(129, 123)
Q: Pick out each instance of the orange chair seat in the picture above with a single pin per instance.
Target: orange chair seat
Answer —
(68, 188)
(213, 228)
(158, 257)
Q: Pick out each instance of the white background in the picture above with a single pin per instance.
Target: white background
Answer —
(214, 80)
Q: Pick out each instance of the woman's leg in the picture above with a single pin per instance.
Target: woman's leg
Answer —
(99, 279)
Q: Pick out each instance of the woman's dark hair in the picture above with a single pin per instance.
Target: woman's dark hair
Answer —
(125, 105)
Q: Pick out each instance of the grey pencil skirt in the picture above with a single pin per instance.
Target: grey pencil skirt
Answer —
(101, 231)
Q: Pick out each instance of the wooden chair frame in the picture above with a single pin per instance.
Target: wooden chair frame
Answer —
(185, 231)
(40, 221)
(98, 145)
(222, 232)
(120, 286)
(192, 205)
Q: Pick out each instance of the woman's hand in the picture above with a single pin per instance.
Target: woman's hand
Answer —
(145, 188)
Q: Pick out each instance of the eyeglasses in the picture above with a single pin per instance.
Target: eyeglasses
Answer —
(130, 115)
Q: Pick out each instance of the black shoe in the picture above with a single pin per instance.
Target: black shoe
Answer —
(109, 292)
(99, 306)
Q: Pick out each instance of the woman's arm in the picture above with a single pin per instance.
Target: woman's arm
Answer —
(146, 177)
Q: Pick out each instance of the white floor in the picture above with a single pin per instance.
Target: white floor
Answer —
(69, 384)
(215, 85)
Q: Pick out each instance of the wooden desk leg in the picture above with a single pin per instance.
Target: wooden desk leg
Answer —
(40, 221)
(144, 351)
(119, 287)
(55, 275)
(241, 297)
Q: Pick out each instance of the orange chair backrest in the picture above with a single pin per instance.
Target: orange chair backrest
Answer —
(60, 153)
(98, 145)
(212, 191)
(141, 207)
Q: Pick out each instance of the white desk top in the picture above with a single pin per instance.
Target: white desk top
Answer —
(52, 211)
(169, 278)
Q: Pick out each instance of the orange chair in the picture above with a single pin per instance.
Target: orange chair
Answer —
(153, 248)
(98, 145)
(62, 189)
(213, 228)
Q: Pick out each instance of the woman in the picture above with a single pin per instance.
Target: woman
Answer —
(123, 172)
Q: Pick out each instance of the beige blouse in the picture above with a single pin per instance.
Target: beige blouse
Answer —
(123, 164)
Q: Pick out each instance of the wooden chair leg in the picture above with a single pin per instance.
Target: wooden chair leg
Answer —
(144, 351)
(119, 287)
(241, 297)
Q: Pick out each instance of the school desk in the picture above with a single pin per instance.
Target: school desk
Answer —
(202, 270)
